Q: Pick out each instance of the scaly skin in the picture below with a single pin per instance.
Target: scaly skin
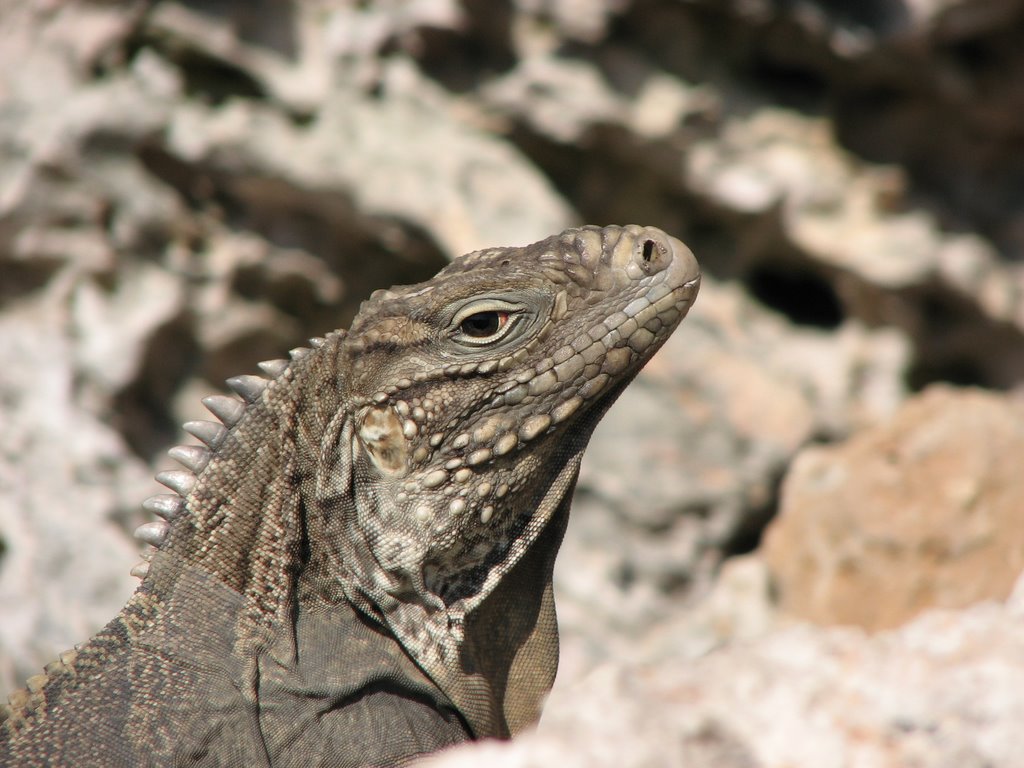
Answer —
(356, 566)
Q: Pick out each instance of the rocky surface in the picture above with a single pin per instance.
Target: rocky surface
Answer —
(922, 511)
(943, 690)
(187, 188)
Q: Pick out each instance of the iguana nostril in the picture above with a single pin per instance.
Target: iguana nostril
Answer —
(653, 253)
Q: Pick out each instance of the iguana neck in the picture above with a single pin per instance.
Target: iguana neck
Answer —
(246, 520)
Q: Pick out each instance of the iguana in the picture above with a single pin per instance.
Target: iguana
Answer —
(355, 566)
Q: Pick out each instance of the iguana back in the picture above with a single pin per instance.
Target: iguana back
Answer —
(355, 568)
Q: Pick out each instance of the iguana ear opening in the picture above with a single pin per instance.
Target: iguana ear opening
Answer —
(380, 434)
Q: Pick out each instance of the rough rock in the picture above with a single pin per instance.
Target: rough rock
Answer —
(830, 236)
(944, 690)
(922, 511)
(69, 488)
(683, 470)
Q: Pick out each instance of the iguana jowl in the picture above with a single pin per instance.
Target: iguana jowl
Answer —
(355, 569)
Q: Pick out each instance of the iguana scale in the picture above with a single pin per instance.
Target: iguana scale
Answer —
(355, 566)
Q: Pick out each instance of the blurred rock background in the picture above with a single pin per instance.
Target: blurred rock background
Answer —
(828, 449)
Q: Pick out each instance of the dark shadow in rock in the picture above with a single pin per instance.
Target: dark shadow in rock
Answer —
(802, 296)
(207, 78)
(142, 411)
(955, 342)
(675, 36)
(214, 81)
(746, 536)
(266, 23)
(788, 84)
(480, 49)
(882, 17)
(21, 278)
(193, 184)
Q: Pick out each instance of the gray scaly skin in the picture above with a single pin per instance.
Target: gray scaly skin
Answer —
(355, 567)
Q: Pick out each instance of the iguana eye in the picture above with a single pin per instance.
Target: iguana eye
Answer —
(485, 322)
(480, 325)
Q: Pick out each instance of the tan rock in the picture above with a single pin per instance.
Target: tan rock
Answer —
(923, 511)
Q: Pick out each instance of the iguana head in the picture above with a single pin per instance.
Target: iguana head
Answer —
(474, 394)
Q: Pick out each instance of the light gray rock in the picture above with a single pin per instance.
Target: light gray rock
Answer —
(945, 690)
(68, 489)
